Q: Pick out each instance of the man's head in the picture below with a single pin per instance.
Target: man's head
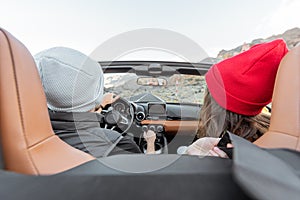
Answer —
(72, 81)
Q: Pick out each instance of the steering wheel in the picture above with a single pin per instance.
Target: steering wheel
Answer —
(119, 115)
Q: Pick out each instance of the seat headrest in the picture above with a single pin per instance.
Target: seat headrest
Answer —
(284, 131)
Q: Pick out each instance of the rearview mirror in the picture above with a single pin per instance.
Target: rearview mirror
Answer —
(151, 81)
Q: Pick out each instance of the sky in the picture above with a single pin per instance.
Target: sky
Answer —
(84, 24)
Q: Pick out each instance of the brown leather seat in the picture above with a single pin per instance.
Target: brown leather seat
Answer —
(284, 131)
(28, 143)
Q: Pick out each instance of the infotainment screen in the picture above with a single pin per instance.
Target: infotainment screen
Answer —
(156, 109)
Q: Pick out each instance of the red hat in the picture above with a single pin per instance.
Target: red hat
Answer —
(244, 83)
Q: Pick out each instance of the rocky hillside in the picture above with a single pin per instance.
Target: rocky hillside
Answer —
(291, 37)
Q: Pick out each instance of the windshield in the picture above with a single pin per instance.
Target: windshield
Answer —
(179, 88)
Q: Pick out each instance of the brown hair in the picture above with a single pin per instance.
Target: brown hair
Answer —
(215, 120)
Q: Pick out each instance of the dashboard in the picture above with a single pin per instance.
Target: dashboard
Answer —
(167, 120)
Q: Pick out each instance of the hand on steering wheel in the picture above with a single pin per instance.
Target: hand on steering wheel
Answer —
(108, 98)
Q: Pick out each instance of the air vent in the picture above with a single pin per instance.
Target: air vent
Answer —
(140, 116)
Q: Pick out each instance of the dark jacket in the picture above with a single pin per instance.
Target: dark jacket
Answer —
(83, 131)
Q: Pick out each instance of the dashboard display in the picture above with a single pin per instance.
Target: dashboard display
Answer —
(157, 109)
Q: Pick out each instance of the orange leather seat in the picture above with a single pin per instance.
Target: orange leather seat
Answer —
(284, 131)
(28, 143)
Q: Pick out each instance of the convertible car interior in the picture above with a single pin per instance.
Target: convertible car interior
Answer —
(36, 164)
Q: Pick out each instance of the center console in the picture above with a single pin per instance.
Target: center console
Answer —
(156, 111)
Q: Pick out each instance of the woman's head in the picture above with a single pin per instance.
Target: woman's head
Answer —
(72, 81)
(244, 83)
(238, 89)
